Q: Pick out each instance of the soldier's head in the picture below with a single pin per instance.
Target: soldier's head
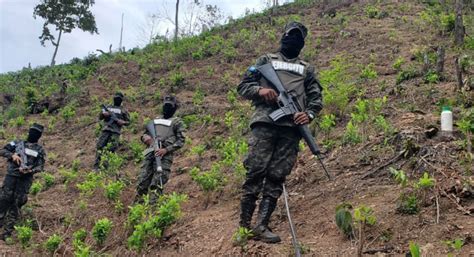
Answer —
(34, 133)
(170, 105)
(292, 40)
(118, 98)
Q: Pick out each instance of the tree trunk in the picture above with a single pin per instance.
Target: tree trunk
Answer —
(56, 49)
(459, 25)
(440, 61)
(176, 22)
(121, 34)
(458, 73)
(360, 248)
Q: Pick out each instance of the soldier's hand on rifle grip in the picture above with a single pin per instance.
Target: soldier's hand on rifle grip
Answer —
(25, 171)
(268, 94)
(147, 140)
(161, 152)
(16, 158)
(106, 114)
(121, 122)
(301, 118)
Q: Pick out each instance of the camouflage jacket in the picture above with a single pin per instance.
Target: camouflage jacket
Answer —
(35, 156)
(173, 142)
(311, 98)
(114, 127)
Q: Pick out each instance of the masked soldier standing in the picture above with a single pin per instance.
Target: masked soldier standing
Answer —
(115, 118)
(17, 182)
(170, 131)
(274, 144)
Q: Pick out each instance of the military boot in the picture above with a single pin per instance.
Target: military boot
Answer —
(261, 231)
(247, 207)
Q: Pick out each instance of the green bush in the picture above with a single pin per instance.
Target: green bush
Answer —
(67, 112)
(101, 230)
(352, 135)
(397, 65)
(48, 180)
(371, 11)
(53, 242)
(408, 74)
(368, 72)
(408, 204)
(328, 121)
(431, 77)
(208, 180)
(24, 235)
(137, 148)
(113, 189)
(35, 188)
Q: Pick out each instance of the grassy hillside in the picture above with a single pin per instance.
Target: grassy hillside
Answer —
(382, 95)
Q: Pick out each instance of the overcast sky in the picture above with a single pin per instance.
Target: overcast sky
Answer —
(19, 31)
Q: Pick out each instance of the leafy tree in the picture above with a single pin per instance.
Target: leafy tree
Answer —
(64, 15)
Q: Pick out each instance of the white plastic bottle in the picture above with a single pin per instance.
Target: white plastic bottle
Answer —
(446, 119)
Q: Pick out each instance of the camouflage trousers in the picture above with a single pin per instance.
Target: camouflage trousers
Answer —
(106, 138)
(149, 178)
(13, 195)
(272, 155)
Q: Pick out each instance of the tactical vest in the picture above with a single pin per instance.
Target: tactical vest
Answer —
(164, 130)
(292, 76)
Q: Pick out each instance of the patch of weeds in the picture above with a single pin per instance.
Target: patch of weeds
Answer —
(35, 188)
(53, 242)
(24, 235)
(101, 230)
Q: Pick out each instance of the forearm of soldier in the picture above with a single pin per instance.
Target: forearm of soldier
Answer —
(249, 90)
(39, 167)
(6, 153)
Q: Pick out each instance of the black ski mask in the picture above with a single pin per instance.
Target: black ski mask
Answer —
(34, 133)
(118, 99)
(292, 43)
(169, 107)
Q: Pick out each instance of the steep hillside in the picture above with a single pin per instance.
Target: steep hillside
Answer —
(382, 98)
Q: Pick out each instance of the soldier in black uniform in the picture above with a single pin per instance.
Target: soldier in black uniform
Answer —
(115, 117)
(171, 132)
(274, 144)
(17, 182)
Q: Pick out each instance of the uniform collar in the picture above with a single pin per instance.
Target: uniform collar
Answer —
(286, 59)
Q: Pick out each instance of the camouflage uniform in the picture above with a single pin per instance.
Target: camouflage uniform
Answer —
(16, 185)
(171, 131)
(274, 145)
(111, 132)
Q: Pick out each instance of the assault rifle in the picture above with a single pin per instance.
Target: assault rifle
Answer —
(150, 127)
(288, 106)
(20, 150)
(113, 116)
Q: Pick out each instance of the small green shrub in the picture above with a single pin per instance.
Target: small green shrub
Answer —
(399, 176)
(351, 135)
(53, 242)
(101, 230)
(328, 121)
(48, 180)
(344, 219)
(137, 147)
(241, 237)
(431, 77)
(415, 250)
(408, 204)
(208, 180)
(24, 234)
(368, 72)
(405, 75)
(67, 112)
(397, 65)
(36, 187)
(425, 182)
(113, 189)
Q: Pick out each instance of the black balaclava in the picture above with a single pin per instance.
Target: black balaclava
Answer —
(291, 44)
(118, 97)
(292, 40)
(169, 106)
(34, 133)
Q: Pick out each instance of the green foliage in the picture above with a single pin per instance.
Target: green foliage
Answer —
(79, 236)
(137, 147)
(17, 122)
(48, 180)
(151, 223)
(382, 124)
(136, 214)
(111, 162)
(101, 230)
(67, 112)
(177, 79)
(455, 244)
(404, 75)
(408, 204)
(368, 72)
(113, 189)
(431, 77)
(415, 250)
(198, 97)
(364, 214)
(447, 21)
(208, 180)
(351, 135)
(36, 187)
(53, 242)
(24, 235)
(344, 219)
(198, 150)
(425, 182)
(397, 65)
(371, 11)
(328, 121)
(87, 187)
(399, 176)
(188, 120)
(83, 250)
(68, 176)
(241, 237)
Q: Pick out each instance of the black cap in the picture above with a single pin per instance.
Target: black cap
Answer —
(38, 127)
(118, 94)
(296, 25)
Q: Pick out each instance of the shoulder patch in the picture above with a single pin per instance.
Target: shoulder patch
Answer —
(12, 143)
(31, 152)
(163, 122)
(115, 110)
(288, 66)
